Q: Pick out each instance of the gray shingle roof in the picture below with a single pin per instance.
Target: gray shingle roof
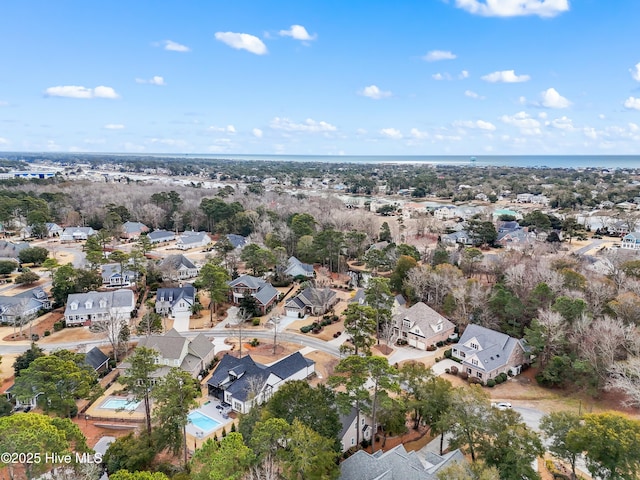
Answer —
(248, 280)
(176, 261)
(169, 345)
(134, 227)
(236, 241)
(193, 238)
(252, 374)
(111, 269)
(424, 317)
(496, 347)
(115, 299)
(96, 358)
(267, 293)
(161, 236)
(186, 293)
(290, 365)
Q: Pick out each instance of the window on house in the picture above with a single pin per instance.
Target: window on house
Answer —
(479, 375)
(474, 362)
(475, 346)
(353, 441)
(468, 370)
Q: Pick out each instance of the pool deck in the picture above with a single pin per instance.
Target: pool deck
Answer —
(96, 412)
(195, 436)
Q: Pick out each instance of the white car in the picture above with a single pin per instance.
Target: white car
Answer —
(501, 405)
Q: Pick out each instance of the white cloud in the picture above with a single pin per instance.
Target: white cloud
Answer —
(298, 32)
(309, 125)
(361, 131)
(505, 76)
(437, 55)
(155, 80)
(590, 132)
(523, 121)
(76, 91)
(441, 76)
(463, 74)
(601, 116)
(632, 103)
(552, 99)
(4, 104)
(228, 129)
(257, 133)
(175, 47)
(4, 141)
(480, 124)
(542, 115)
(522, 100)
(114, 126)
(418, 134)
(242, 41)
(562, 123)
(372, 91)
(474, 95)
(635, 72)
(391, 133)
(514, 8)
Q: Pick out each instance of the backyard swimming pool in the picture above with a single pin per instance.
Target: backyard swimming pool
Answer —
(120, 404)
(203, 422)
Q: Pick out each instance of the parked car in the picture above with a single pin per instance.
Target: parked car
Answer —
(501, 405)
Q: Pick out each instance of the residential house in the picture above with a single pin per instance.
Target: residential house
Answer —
(92, 307)
(53, 230)
(359, 297)
(312, 300)
(19, 405)
(421, 326)
(10, 250)
(626, 206)
(176, 303)
(515, 239)
(264, 293)
(460, 237)
(76, 234)
(486, 353)
(349, 431)
(446, 212)
(631, 241)
(97, 360)
(161, 236)
(192, 240)
(24, 306)
(532, 198)
(174, 350)
(178, 267)
(133, 230)
(238, 242)
(243, 383)
(114, 277)
(296, 268)
(619, 228)
(397, 464)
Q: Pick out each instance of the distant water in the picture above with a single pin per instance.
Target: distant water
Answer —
(550, 161)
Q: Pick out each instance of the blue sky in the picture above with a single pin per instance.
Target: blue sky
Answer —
(422, 77)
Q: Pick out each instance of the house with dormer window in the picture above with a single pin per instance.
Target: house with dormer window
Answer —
(421, 326)
(176, 303)
(243, 383)
(91, 307)
(485, 353)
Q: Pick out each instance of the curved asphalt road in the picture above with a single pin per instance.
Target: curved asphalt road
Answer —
(320, 345)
